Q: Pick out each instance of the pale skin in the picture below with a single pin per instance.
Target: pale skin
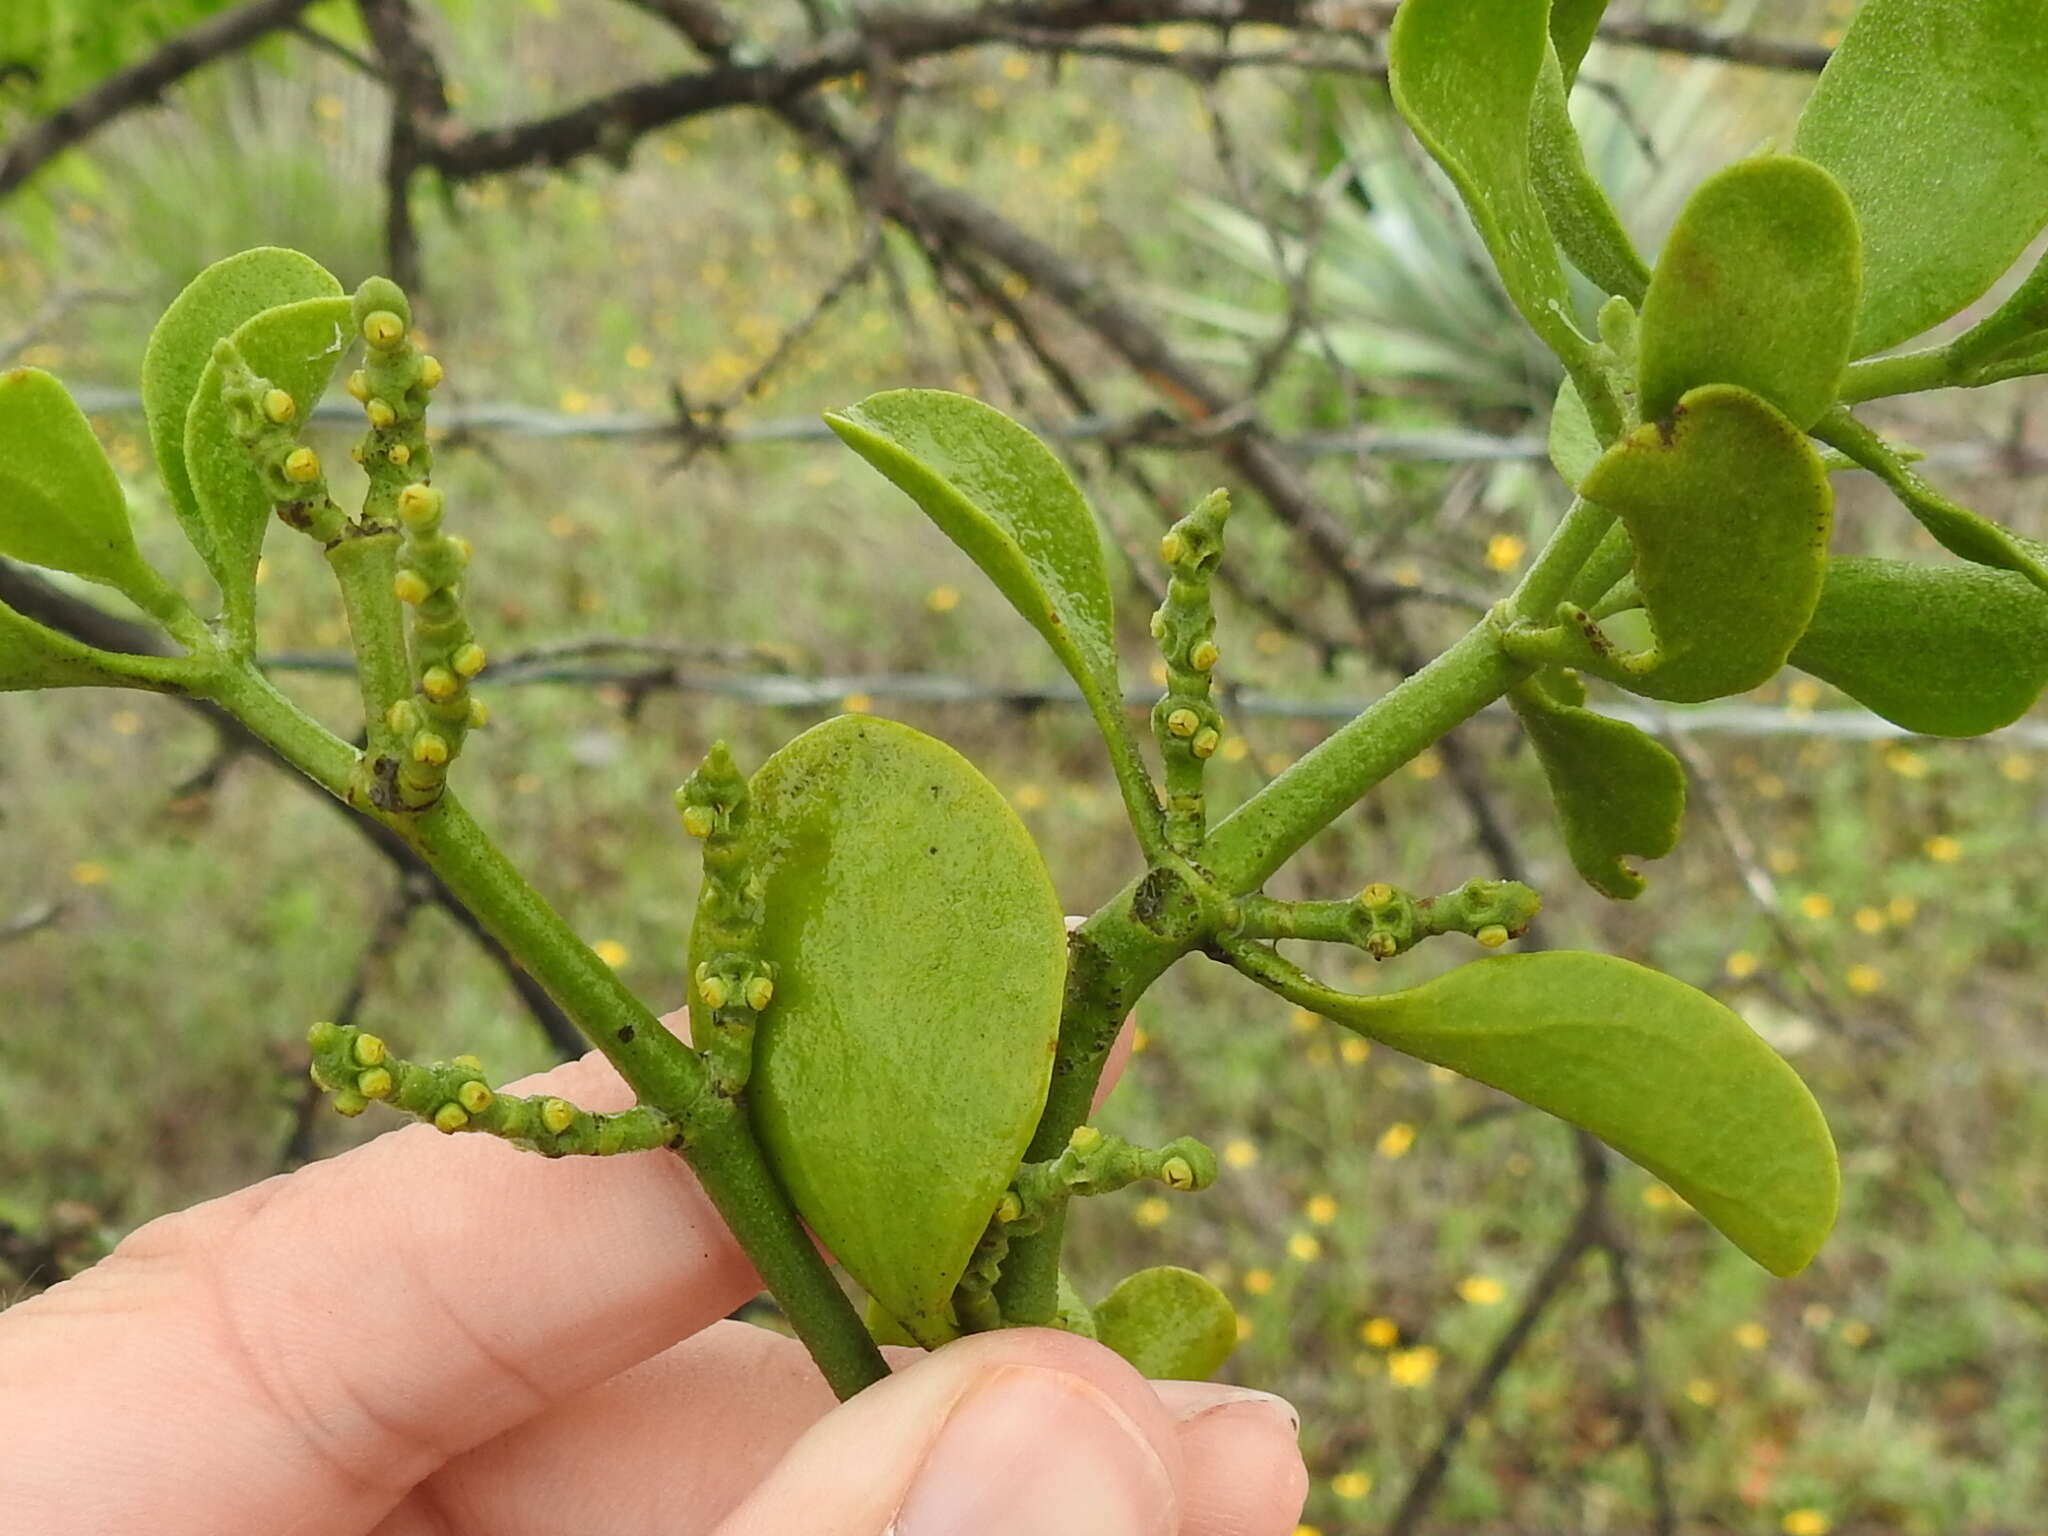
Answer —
(438, 1336)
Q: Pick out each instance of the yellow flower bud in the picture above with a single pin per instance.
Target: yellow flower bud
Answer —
(699, 820)
(479, 717)
(400, 454)
(350, 1103)
(1183, 723)
(439, 684)
(463, 548)
(419, 503)
(1204, 656)
(760, 991)
(1158, 626)
(1085, 1138)
(355, 453)
(450, 1118)
(430, 372)
(1492, 936)
(368, 1051)
(474, 1063)
(557, 1115)
(383, 329)
(1171, 549)
(714, 991)
(279, 407)
(1376, 897)
(474, 1097)
(1382, 946)
(375, 1084)
(430, 749)
(302, 466)
(1178, 1173)
(403, 717)
(380, 413)
(1205, 743)
(359, 386)
(411, 587)
(469, 660)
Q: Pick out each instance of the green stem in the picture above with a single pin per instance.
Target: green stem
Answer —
(1549, 579)
(1613, 559)
(1264, 832)
(1907, 374)
(365, 565)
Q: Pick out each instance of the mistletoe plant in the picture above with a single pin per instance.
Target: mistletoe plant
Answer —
(894, 1040)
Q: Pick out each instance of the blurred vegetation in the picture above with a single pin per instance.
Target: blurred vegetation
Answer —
(1378, 1220)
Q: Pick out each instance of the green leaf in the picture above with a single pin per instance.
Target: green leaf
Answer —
(1756, 286)
(920, 958)
(1003, 497)
(296, 347)
(1572, 26)
(1172, 1324)
(1934, 118)
(1465, 74)
(61, 505)
(1574, 445)
(214, 305)
(34, 657)
(1574, 204)
(1617, 792)
(2017, 325)
(1729, 510)
(1661, 1072)
(1950, 650)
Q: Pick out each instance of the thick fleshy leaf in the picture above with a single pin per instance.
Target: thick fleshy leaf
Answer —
(1004, 498)
(1172, 1324)
(1933, 115)
(214, 305)
(920, 957)
(2017, 328)
(296, 347)
(1948, 650)
(1659, 1071)
(1574, 203)
(1756, 286)
(1617, 792)
(61, 504)
(34, 657)
(1574, 445)
(1729, 509)
(1464, 74)
(1572, 26)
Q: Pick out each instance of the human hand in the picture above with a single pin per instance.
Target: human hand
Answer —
(426, 1337)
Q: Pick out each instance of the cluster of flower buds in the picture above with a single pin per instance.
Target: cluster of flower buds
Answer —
(730, 984)
(1186, 723)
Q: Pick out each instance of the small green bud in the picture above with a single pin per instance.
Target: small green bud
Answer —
(1382, 946)
(1204, 656)
(474, 1097)
(439, 684)
(350, 1103)
(1205, 743)
(355, 453)
(382, 329)
(714, 991)
(375, 1084)
(430, 372)
(450, 1118)
(1183, 723)
(468, 660)
(411, 587)
(368, 1051)
(429, 748)
(699, 820)
(403, 717)
(419, 504)
(1171, 549)
(1492, 936)
(1009, 1208)
(557, 1115)
(279, 407)
(380, 413)
(1158, 626)
(1085, 1138)
(322, 1035)
(1376, 897)
(359, 386)
(466, 1059)
(302, 466)
(760, 991)
(400, 454)
(1178, 1173)
(479, 717)
(463, 548)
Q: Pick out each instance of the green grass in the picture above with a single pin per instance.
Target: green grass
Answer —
(1377, 1223)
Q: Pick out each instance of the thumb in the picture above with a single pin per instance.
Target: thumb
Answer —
(1014, 1433)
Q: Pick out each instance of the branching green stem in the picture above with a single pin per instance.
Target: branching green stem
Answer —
(1549, 578)
(1385, 921)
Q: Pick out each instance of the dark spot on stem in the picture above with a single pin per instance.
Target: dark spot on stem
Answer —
(626, 1034)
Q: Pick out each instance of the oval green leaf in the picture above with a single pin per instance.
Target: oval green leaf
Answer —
(34, 657)
(1465, 74)
(1658, 1070)
(215, 304)
(1756, 286)
(920, 958)
(61, 504)
(1574, 445)
(296, 347)
(1617, 792)
(1172, 1324)
(1003, 497)
(1934, 118)
(1729, 510)
(1574, 203)
(1950, 650)
(1573, 25)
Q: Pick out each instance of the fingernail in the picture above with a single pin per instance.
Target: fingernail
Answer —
(1031, 1451)
(1198, 1400)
